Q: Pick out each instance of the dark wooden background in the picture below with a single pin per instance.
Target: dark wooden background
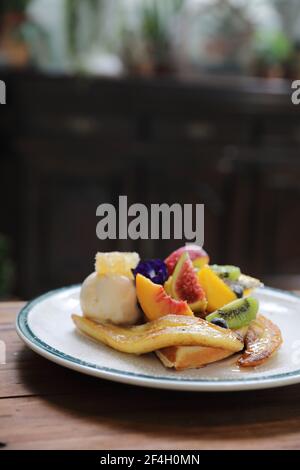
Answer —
(69, 144)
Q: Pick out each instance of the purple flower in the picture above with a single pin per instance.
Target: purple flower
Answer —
(153, 269)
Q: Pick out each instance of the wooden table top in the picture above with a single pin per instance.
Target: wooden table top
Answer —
(45, 406)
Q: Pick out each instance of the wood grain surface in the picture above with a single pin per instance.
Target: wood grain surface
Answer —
(44, 406)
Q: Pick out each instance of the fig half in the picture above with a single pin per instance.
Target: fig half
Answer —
(186, 286)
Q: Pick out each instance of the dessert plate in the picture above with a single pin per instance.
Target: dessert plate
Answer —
(45, 325)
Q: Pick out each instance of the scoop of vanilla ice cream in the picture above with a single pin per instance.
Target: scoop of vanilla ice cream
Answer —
(109, 298)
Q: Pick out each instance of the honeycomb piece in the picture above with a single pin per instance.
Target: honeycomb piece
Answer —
(116, 262)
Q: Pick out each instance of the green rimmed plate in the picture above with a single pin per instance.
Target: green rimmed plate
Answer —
(45, 325)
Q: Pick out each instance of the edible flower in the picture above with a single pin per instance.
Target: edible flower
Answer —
(153, 269)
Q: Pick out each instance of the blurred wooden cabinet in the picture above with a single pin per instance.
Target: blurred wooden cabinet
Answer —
(74, 143)
(278, 213)
(61, 191)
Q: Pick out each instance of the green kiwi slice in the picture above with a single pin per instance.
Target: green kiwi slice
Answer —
(229, 272)
(238, 313)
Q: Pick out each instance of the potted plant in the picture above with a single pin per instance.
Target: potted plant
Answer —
(147, 46)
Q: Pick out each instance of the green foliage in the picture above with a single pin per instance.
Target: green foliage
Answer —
(152, 24)
(273, 47)
(71, 24)
(72, 8)
(155, 16)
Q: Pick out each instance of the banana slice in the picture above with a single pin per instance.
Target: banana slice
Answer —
(262, 340)
(170, 330)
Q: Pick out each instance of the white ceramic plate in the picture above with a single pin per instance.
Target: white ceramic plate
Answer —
(46, 327)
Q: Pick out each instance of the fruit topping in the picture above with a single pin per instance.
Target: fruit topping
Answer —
(168, 285)
(116, 262)
(155, 302)
(216, 291)
(248, 282)
(186, 286)
(238, 313)
(153, 269)
(226, 272)
(236, 288)
(219, 322)
(198, 256)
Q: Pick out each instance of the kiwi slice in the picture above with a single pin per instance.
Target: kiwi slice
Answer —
(238, 313)
(229, 272)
